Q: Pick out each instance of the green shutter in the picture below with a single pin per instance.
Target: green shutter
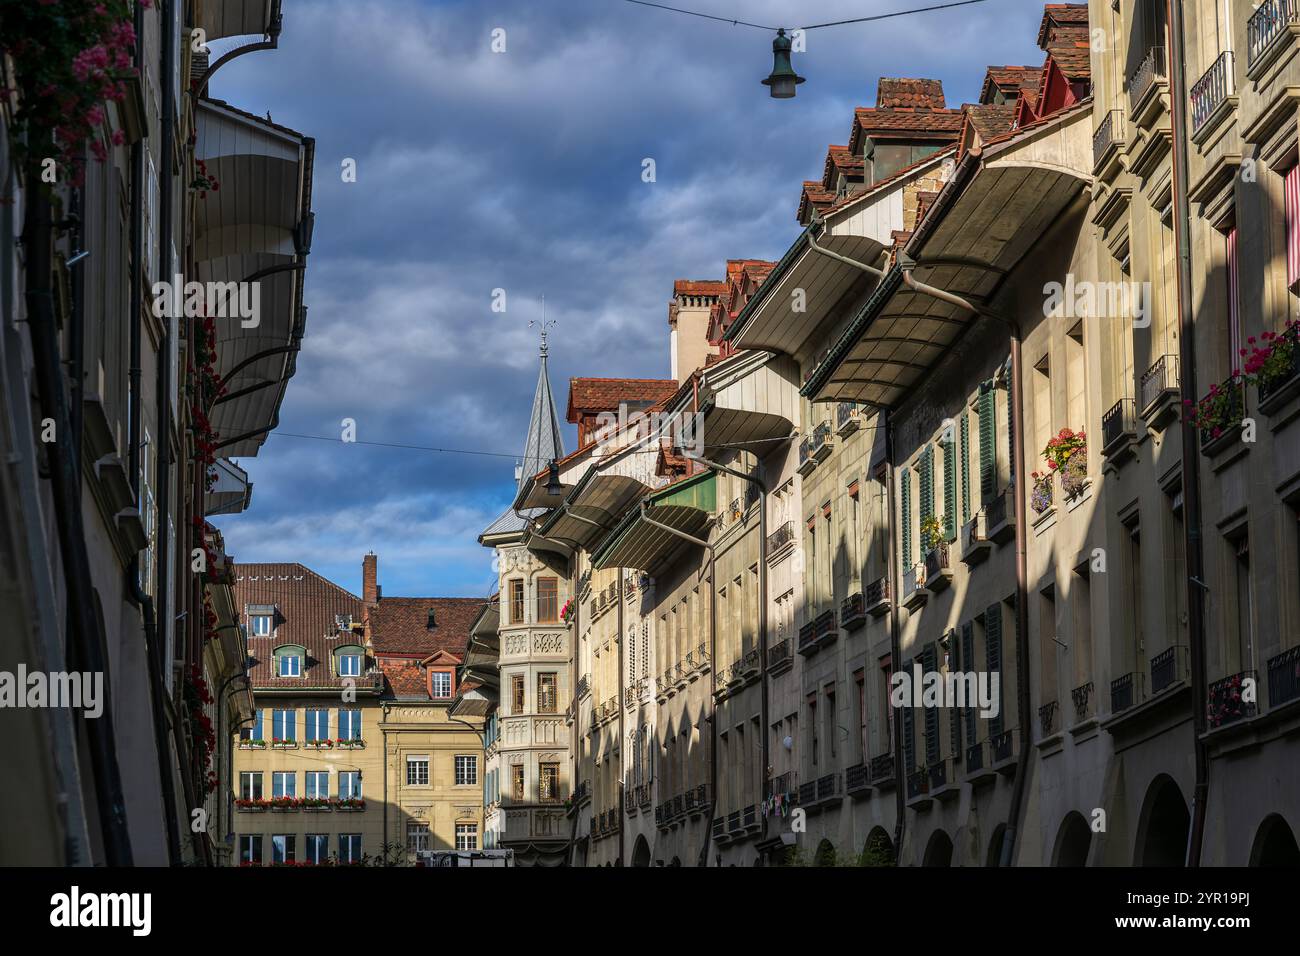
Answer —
(988, 443)
(949, 490)
(1011, 438)
(966, 466)
(968, 661)
(993, 658)
(909, 745)
(927, 482)
(932, 754)
(907, 518)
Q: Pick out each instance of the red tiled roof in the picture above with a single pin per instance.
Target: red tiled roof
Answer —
(990, 121)
(588, 395)
(306, 606)
(1058, 15)
(699, 287)
(400, 625)
(892, 92)
(1010, 80)
(925, 121)
(1071, 51)
(813, 195)
(840, 160)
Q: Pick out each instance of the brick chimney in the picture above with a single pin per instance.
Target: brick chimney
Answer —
(370, 578)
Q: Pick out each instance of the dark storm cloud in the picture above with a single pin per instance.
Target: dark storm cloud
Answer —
(522, 171)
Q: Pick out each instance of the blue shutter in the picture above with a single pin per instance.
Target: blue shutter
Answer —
(968, 662)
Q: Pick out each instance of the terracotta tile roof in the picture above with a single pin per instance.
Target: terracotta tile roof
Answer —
(1058, 15)
(890, 180)
(894, 92)
(1009, 80)
(400, 625)
(594, 395)
(1071, 52)
(699, 287)
(306, 607)
(404, 677)
(840, 161)
(990, 121)
(815, 196)
(924, 121)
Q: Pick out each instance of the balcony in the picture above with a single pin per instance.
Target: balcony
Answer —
(1158, 389)
(918, 788)
(881, 770)
(748, 667)
(853, 614)
(806, 460)
(1219, 414)
(779, 657)
(1118, 428)
(914, 592)
(975, 759)
(1212, 92)
(661, 820)
(780, 540)
(702, 797)
(817, 633)
(1284, 678)
(975, 544)
(1082, 697)
(1281, 381)
(822, 441)
(808, 793)
(1048, 719)
(749, 819)
(1000, 517)
(943, 780)
(1149, 78)
(1107, 140)
(857, 780)
(938, 568)
(1169, 667)
(1264, 30)
(584, 686)
(1002, 752)
(734, 824)
(719, 830)
(848, 417)
(1225, 705)
(783, 784)
(829, 788)
(875, 597)
(1125, 692)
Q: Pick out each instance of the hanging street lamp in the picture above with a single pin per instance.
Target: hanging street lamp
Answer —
(783, 79)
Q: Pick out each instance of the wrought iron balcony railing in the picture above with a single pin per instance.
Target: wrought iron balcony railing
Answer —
(847, 418)
(1149, 72)
(856, 778)
(1125, 692)
(1118, 426)
(853, 613)
(1266, 24)
(1167, 667)
(938, 567)
(1212, 90)
(875, 597)
(1047, 715)
(780, 538)
(1159, 380)
(779, 656)
(1109, 133)
(882, 768)
(1226, 704)
(1002, 747)
(1082, 698)
(1284, 677)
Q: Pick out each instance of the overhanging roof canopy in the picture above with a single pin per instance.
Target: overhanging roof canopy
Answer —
(748, 401)
(686, 506)
(255, 228)
(234, 18)
(983, 225)
(592, 509)
(230, 493)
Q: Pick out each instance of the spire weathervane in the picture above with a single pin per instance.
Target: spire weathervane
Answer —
(545, 325)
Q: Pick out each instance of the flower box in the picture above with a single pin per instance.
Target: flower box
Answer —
(1274, 367)
(349, 806)
(252, 745)
(250, 806)
(349, 744)
(284, 745)
(1218, 415)
(319, 744)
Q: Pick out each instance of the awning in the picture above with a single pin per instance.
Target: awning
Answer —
(686, 506)
(234, 18)
(861, 230)
(984, 223)
(592, 509)
(232, 491)
(748, 402)
(255, 228)
(479, 701)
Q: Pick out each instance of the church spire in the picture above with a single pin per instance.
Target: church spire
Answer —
(544, 443)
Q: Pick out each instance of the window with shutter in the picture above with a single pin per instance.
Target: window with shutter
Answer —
(954, 666)
(993, 657)
(988, 443)
(906, 482)
(949, 490)
(965, 467)
(927, 483)
(932, 753)
(1011, 440)
(968, 661)
(909, 745)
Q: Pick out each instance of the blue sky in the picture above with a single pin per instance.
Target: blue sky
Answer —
(522, 171)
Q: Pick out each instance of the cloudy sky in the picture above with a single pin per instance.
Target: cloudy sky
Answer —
(521, 170)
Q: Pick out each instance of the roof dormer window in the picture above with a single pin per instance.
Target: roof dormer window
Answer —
(290, 660)
(261, 625)
(290, 665)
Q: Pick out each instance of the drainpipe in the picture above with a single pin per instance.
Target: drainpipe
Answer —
(1190, 463)
(1023, 697)
(622, 836)
(713, 677)
(873, 270)
(764, 731)
(895, 648)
